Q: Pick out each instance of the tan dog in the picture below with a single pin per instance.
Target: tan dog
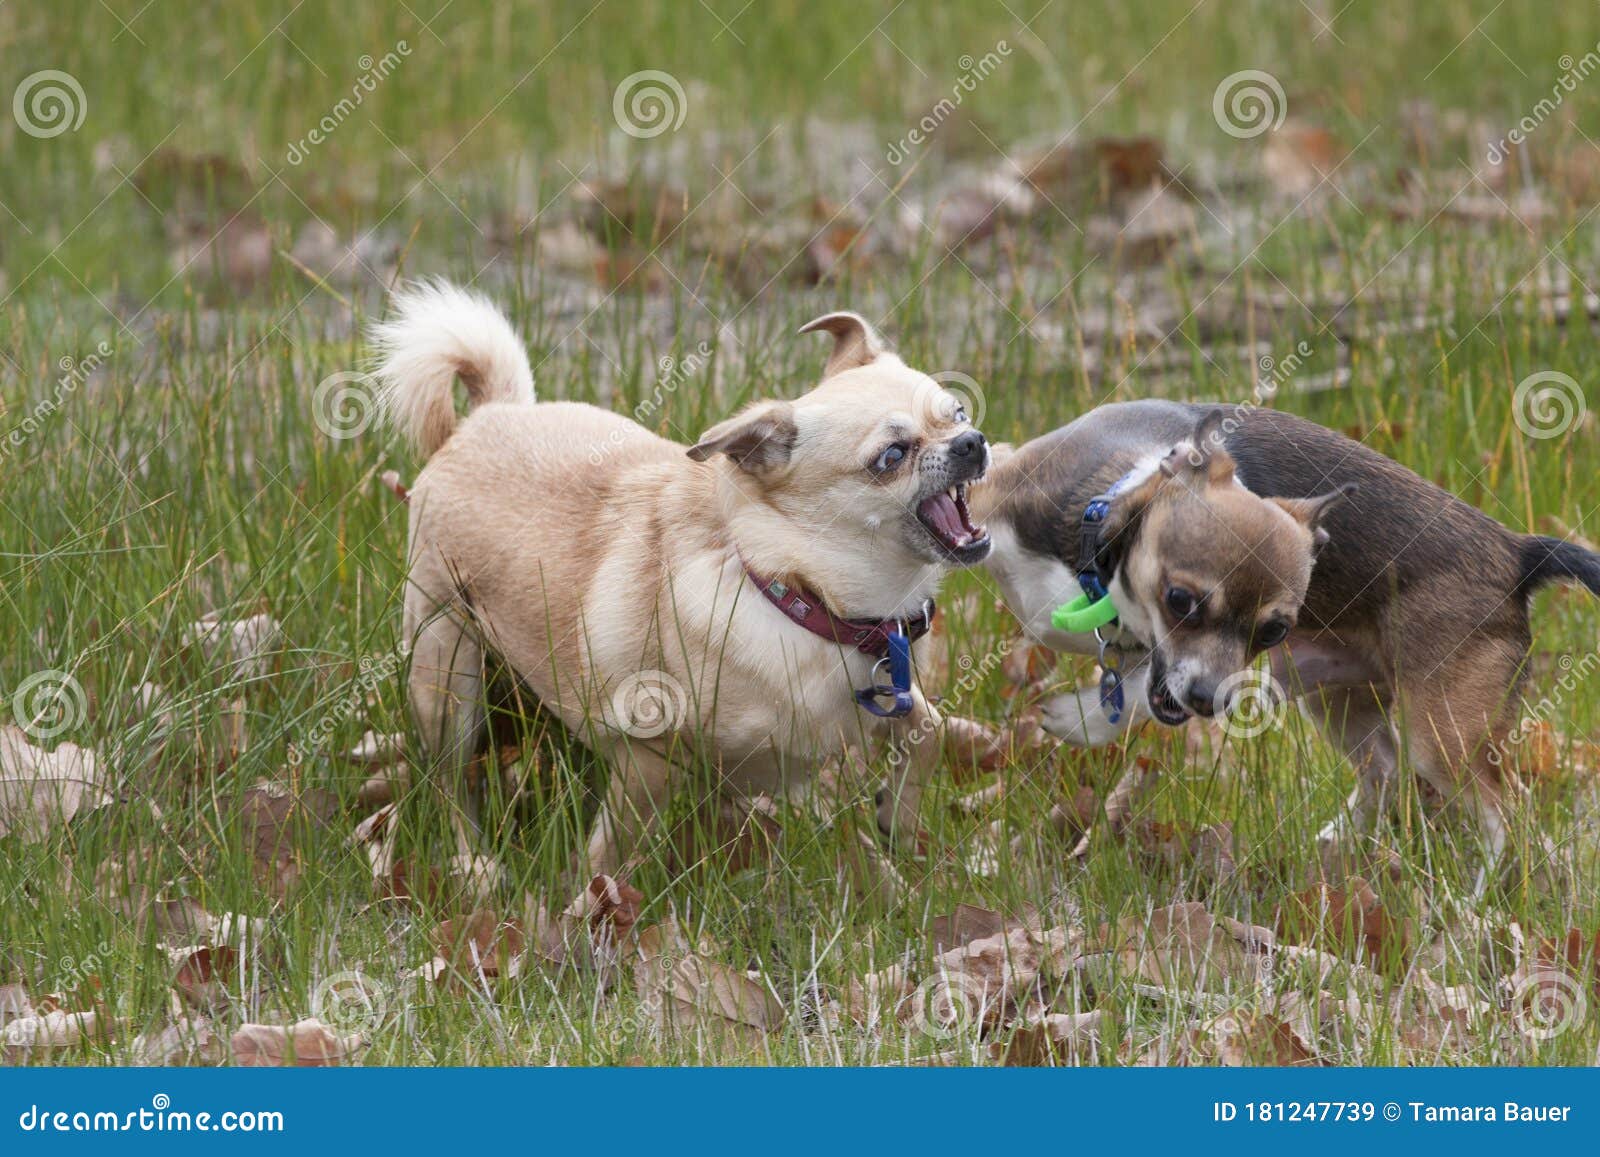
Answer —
(636, 590)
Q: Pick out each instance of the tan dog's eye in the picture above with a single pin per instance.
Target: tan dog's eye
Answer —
(891, 457)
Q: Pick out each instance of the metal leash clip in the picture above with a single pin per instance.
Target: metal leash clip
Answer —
(1111, 659)
(898, 689)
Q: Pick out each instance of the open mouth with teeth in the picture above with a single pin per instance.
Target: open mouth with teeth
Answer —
(1163, 705)
(944, 515)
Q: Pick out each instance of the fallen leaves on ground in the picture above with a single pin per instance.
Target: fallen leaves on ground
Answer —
(305, 1044)
(40, 790)
(683, 990)
(1350, 921)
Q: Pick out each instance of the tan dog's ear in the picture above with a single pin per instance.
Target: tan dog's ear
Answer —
(759, 438)
(855, 343)
(1309, 512)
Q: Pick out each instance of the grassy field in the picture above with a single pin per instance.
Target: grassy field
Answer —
(178, 291)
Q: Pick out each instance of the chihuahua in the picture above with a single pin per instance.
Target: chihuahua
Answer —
(1400, 611)
(747, 602)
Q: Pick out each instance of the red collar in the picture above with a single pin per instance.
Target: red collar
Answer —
(869, 636)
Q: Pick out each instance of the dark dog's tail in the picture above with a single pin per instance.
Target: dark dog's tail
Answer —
(1547, 560)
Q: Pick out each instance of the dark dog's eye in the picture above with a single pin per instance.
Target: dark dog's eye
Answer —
(891, 457)
(1270, 634)
(1182, 603)
(960, 415)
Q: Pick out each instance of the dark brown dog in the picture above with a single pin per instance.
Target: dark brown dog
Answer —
(1410, 633)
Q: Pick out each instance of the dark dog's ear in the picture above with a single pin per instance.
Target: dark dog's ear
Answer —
(855, 343)
(1203, 456)
(1128, 505)
(1309, 512)
(759, 438)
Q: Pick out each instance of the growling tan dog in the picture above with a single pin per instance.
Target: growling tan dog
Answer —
(721, 602)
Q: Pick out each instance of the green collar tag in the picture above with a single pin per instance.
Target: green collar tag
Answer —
(1083, 614)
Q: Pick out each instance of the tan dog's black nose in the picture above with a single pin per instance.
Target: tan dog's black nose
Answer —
(967, 444)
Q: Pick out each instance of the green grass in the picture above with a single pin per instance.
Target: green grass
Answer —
(187, 475)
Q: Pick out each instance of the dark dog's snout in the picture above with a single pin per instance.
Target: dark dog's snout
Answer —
(1203, 698)
(967, 444)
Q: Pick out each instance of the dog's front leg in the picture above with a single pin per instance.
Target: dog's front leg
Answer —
(913, 757)
(1078, 718)
(635, 797)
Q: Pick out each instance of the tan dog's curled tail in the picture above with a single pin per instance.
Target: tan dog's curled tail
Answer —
(435, 333)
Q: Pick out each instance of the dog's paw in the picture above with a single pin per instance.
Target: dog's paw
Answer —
(1066, 718)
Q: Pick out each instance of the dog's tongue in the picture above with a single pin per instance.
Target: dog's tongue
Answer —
(942, 515)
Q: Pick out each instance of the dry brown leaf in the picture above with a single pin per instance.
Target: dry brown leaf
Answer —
(1185, 947)
(480, 943)
(271, 817)
(968, 922)
(970, 748)
(1209, 849)
(245, 643)
(1351, 922)
(40, 790)
(200, 974)
(1053, 1040)
(188, 1040)
(14, 1003)
(27, 1037)
(305, 1044)
(684, 990)
(1279, 1035)
(1027, 667)
(982, 982)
